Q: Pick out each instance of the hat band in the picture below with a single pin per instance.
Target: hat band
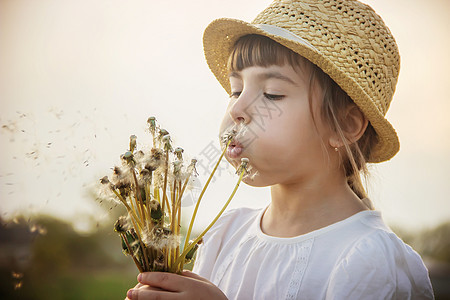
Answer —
(286, 34)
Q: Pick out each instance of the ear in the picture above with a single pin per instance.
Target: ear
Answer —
(353, 126)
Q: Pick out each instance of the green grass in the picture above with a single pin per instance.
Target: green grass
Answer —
(104, 285)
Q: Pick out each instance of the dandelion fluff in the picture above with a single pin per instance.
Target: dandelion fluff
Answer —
(160, 238)
(192, 192)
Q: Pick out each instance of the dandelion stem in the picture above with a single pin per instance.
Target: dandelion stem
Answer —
(147, 200)
(166, 201)
(173, 219)
(156, 193)
(173, 215)
(129, 209)
(194, 214)
(137, 198)
(180, 195)
(165, 179)
(134, 210)
(166, 258)
(130, 250)
(177, 252)
(181, 258)
(144, 254)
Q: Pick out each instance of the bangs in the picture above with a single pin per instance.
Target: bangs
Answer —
(257, 50)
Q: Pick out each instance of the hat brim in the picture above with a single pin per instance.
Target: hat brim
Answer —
(221, 35)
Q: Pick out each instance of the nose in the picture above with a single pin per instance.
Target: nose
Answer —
(240, 110)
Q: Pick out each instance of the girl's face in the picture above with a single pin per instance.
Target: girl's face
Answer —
(281, 139)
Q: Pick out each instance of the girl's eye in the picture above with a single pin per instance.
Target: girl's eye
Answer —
(273, 97)
(235, 94)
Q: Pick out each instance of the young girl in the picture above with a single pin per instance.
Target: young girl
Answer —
(310, 82)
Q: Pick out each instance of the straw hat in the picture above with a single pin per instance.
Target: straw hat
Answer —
(345, 38)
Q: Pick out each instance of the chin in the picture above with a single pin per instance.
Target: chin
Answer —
(255, 181)
(252, 183)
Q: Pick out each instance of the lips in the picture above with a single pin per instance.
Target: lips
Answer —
(234, 149)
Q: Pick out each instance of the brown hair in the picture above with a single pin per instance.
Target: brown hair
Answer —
(257, 50)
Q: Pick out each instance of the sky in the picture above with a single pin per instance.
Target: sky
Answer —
(77, 78)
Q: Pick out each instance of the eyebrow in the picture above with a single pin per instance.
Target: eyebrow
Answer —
(267, 75)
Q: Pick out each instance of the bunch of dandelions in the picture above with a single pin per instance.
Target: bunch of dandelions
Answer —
(150, 185)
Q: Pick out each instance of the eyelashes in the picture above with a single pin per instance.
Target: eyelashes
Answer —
(271, 97)
(234, 95)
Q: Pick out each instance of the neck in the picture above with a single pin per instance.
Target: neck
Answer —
(299, 208)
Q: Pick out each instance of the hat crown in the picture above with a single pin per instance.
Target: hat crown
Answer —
(350, 35)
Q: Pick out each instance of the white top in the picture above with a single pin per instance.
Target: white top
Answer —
(357, 258)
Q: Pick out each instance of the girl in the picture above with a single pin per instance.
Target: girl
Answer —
(310, 83)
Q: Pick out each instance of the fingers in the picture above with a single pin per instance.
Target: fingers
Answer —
(149, 293)
(169, 286)
(194, 276)
(165, 281)
(138, 285)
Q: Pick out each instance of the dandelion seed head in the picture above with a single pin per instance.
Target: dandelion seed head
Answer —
(163, 132)
(128, 156)
(122, 225)
(249, 171)
(105, 193)
(156, 212)
(191, 168)
(139, 156)
(156, 158)
(154, 205)
(124, 188)
(233, 132)
(104, 180)
(190, 255)
(177, 166)
(179, 153)
(166, 140)
(146, 175)
(156, 153)
(117, 171)
(121, 177)
(227, 136)
(160, 238)
(135, 247)
(244, 166)
(133, 139)
(149, 167)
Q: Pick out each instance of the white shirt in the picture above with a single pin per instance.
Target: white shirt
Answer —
(356, 258)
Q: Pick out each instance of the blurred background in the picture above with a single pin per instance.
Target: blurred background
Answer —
(77, 78)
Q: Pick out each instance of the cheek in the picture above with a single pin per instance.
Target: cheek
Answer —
(286, 129)
(288, 136)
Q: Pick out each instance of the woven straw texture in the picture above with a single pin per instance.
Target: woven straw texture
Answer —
(352, 45)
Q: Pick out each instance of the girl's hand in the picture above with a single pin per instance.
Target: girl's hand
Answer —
(156, 285)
